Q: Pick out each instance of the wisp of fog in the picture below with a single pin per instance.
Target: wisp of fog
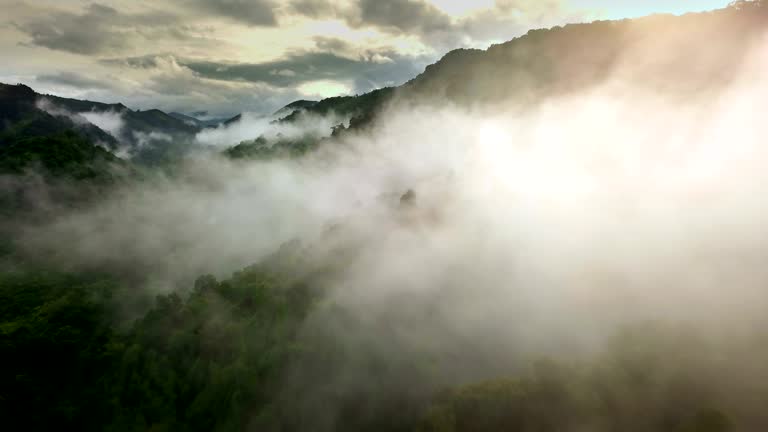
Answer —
(528, 231)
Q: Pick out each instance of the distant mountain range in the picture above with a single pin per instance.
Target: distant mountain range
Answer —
(21, 117)
(199, 123)
(25, 112)
(148, 136)
(148, 121)
(682, 57)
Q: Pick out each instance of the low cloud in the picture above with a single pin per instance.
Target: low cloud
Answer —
(49, 107)
(252, 126)
(527, 232)
(108, 121)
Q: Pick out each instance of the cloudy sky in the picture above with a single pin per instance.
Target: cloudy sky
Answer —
(228, 56)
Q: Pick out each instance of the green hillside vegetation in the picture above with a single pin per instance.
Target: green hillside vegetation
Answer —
(152, 137)
(266, 349)
(220, 357)
(294, 106)
(66, 154)
(361, 111)
(206, 361)
(572, 58)
(347, 105)
(260, 148)
(43, 174)
(152, 120)
(650, 378)
(20, 119)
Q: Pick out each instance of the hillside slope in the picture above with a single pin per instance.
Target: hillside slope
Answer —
(149, 137)
(20, 118)
(677, 55)
(147, 121)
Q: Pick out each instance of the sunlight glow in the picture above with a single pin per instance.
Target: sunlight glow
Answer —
(324, 89)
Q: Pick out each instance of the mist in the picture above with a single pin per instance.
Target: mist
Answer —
(532, 232)
(252, 126)
(108, 121)
(579, 187)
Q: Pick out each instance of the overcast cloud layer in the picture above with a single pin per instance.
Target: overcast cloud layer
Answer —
(229, 56)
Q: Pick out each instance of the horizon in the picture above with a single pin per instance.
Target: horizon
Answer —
(211, 60)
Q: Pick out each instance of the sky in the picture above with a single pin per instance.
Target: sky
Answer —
(222, 57)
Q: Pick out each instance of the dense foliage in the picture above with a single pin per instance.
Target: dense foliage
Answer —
(21, 118)
(260, 148)
(65, 154)
(218, 357)
(265, 349)
(205, 362)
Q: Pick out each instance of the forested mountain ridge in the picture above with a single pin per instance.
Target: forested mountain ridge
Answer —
(151, 136)
(194, 121)
(523, 71)
(146, 121)
(279, 345)
(19, 100)
(643, 52)
(20, 117)
(526, 70)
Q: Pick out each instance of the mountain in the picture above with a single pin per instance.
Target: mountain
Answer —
(351, 106)
(294, 342)
(64, 147)
(135, 123)
(294, 106)
(683, 57)
(21, 118)
(676, 55)
(62, 154)
(299, 104)
(646, 52)
(42, 154)
(185, 118)
(234, 119)
(194, 121)
(19, 104)
(150, 136)
(523, 71)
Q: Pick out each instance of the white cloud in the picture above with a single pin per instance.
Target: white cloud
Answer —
(252, 126)
(324, 89)
(109, 121)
